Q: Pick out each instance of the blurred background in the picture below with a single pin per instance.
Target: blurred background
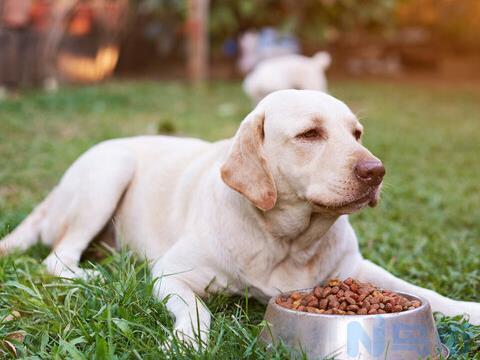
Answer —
(46, 43)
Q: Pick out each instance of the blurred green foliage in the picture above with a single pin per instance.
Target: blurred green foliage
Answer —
(160, 7)
(314, 21)
(317, 22)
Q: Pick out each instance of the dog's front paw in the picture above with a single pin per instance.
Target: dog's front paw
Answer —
(170, 347)
(185, 332)
(473, 313)
(470, 309)
(179, 341)
(189, 336)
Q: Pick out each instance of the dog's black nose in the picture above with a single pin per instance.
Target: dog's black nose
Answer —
(370, 172)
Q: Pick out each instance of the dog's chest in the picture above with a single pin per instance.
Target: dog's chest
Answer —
(281, 264)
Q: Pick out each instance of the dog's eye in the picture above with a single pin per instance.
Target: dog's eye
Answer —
(357, 134)
(311, 134)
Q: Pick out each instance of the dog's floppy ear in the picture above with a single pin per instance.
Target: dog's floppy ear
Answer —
(246, 169)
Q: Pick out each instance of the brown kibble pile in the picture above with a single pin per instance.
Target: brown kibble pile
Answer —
(349, 297)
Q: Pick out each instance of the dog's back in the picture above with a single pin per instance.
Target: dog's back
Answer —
(96, 187)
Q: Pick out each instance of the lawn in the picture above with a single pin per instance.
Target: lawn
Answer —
(426, 229)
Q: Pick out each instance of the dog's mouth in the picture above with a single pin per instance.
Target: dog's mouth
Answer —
(370, 198)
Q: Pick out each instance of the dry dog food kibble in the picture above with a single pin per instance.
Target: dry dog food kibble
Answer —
(349, 297)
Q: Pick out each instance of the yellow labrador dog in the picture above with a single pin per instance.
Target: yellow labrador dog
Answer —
(264, 210)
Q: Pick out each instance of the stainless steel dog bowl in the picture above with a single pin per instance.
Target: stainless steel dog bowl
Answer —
(399, 336)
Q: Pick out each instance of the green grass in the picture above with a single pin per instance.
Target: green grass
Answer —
(426, 229)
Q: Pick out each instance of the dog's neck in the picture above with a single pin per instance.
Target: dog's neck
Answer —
(292, 220)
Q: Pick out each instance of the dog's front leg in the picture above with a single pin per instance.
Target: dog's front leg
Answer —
(369, 272)
(192, 318)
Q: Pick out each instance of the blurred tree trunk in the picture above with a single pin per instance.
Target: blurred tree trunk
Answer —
(54, 35)
(197, 34)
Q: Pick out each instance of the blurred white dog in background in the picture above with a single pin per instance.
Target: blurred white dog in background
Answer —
(256, 47)
(287, 72)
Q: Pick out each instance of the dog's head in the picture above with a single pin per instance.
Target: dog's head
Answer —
(306, 145)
